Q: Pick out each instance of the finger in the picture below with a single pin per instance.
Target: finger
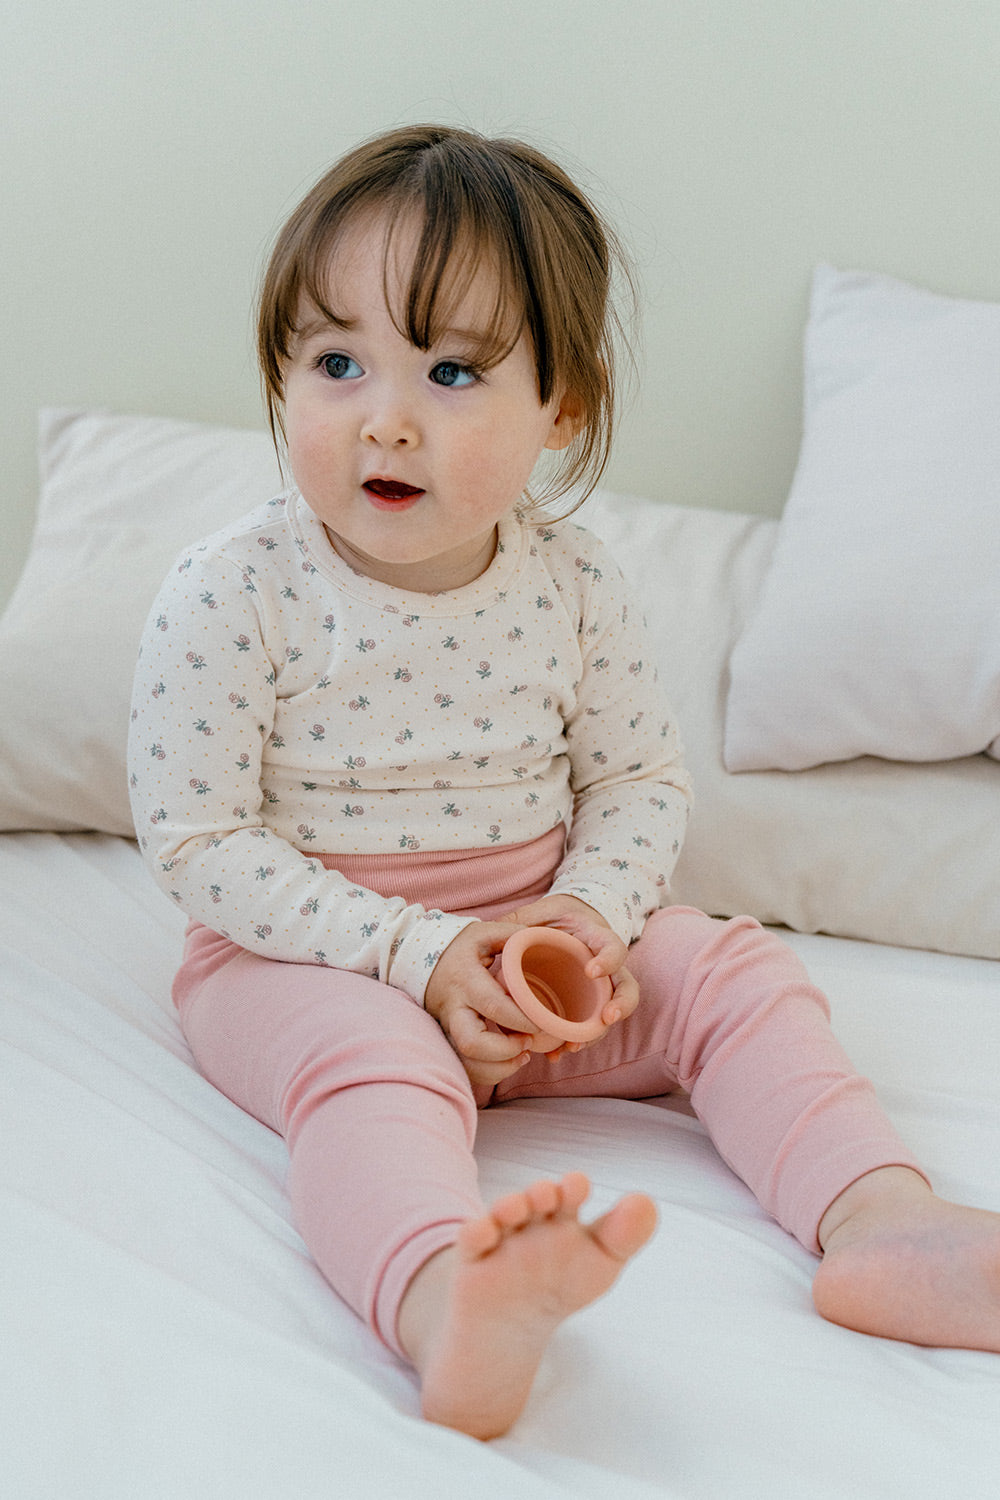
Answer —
(564, 1050)
(529, 916)
(492, 1001)
(488, 1075)
(609, 952)
(624, 998)
(491, 936)
(472, 1038)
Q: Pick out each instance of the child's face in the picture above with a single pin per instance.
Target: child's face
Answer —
(408, 457)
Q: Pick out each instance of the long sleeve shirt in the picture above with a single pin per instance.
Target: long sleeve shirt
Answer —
(285, 704)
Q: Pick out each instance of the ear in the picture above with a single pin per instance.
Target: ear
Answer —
(566, 423)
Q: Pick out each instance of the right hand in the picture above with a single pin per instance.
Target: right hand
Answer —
(464, 998)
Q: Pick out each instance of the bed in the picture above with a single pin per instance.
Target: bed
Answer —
(165, 1333)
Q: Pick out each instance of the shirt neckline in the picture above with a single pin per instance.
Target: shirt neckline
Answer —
(482, 593)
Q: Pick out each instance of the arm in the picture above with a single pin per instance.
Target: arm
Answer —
(631, 790)
(204, 712)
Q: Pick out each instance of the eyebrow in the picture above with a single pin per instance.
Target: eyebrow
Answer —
(471, 338)
(313, 327)
(461, 335)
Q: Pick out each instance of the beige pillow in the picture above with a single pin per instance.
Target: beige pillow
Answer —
(120, 497)
(870, 849)
(891, 852)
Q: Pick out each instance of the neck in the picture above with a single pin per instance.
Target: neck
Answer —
(439, 574)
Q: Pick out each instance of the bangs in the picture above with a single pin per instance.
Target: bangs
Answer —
(443, 274)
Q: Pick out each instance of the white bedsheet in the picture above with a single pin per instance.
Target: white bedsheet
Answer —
(165, 1334)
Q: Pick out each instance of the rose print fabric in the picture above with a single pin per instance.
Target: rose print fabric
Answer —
(286, 705)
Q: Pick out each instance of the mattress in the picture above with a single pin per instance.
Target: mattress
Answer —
(165, 1333)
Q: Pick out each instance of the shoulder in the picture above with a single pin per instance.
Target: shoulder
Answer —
(569, 546)
(242, 557)
(579, 564)
(228, 578)
(262, 530)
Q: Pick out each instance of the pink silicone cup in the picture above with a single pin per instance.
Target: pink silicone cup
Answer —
(543, 972)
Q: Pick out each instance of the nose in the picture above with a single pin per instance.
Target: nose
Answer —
(390, 423)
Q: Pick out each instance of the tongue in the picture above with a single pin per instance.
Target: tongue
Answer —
(390, 489)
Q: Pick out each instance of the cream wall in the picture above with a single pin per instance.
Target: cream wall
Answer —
(148, 153)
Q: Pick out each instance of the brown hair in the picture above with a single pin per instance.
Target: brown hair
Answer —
(498, 202)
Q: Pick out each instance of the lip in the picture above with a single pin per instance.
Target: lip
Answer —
(390, 494)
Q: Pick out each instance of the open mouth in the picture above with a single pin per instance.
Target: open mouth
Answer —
(391, 489)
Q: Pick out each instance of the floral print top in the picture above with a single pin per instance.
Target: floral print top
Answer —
(285, 704)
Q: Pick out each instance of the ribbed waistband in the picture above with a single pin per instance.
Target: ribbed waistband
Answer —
(487, 882)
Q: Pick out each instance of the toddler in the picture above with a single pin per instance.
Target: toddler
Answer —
(400, 712)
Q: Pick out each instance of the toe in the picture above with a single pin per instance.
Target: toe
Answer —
(545, 1199)
(478, 1237)
(626, 1227)
(575, 1189)
(513, 1211)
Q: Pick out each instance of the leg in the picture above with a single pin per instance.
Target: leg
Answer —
(363, 1085)
(366, 1089)
(751, 1042)
(817, 1149)
(728, 1014)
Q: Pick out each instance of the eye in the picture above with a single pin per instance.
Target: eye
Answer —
(450, 373)
(340, 367)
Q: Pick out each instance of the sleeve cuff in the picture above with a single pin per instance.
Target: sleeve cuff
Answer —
(412, 962)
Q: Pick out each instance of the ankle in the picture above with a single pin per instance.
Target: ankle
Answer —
(422, 1309)
(881, 1191)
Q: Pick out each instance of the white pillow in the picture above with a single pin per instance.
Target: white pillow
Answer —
(878, 628)
(120, 497)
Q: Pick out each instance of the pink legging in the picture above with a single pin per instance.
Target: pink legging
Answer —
(380, 1119)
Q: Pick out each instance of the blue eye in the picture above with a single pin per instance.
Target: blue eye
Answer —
(450, 373)
(341, 367)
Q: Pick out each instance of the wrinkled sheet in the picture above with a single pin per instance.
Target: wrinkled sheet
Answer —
(164, 1333)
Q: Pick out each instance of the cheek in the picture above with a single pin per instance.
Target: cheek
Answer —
(501, 455)
(485, 474)
(509, 464)
(310, 435)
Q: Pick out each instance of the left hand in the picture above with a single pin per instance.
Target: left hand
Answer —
(610, 953)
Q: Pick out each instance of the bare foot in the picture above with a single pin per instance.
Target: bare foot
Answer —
(477, 1318)
(902, 1263)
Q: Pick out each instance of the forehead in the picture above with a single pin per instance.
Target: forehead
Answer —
(428, 287)
(370, 256)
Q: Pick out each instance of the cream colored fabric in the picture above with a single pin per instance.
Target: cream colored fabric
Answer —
(895, 853)
(120, 496)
